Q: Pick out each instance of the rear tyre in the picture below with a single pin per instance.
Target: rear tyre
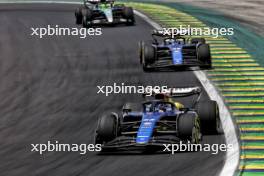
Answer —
(204, 55)
(189, 127)
(78, 15)
(107, 129)
(129, 15)
(198, 40)
(208, 113)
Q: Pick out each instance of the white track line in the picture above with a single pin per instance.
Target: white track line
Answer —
(232, 156)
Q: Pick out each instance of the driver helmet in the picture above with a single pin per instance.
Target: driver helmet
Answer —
(162, 108)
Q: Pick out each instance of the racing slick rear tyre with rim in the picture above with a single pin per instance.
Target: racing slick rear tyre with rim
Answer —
(107, 128)
(129, 15)
(78, 15)
(198, 40)
(189, 127)
(87, 18)
(208, 113)
(204, 55)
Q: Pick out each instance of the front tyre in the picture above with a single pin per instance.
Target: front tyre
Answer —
(208, 113)
(204, 55)
(129, 15)
(148, 54)
(148, 57)
(107, 129)
(198, 40)
(189, 127)
(87, 18)
(78, 15)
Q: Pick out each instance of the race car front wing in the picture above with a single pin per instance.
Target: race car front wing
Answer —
(126, 143)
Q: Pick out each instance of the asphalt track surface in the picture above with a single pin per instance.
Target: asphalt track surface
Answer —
(48, 92)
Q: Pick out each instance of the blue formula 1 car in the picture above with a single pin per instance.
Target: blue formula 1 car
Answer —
(174, 52)
(158, 121)
(103, 12)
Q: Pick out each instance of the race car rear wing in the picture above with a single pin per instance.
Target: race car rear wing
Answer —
(98, 1)
(177, 92)
(171, 32)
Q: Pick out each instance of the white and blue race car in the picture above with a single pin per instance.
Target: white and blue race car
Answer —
(103, 12)
(165, 52)
(158, 121)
